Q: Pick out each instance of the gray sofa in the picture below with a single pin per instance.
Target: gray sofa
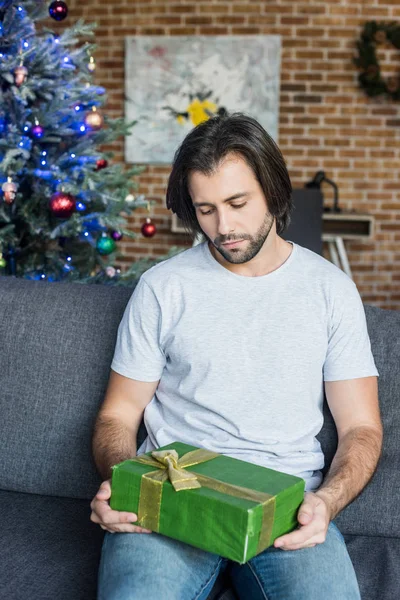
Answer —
(56, 346)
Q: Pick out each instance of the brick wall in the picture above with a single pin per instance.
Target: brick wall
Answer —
(326, 122)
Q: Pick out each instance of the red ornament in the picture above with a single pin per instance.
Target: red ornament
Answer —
(62, 205)
(148, 228)
(102, 163)
(58, 10)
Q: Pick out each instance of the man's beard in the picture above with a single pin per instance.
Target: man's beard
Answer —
(241, 255)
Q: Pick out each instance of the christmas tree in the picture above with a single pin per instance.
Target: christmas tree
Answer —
(61, 199)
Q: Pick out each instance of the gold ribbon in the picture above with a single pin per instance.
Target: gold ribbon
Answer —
(171, 467)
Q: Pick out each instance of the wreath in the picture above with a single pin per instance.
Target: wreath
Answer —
(370, 77)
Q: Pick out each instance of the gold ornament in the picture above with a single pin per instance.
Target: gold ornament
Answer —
(9, 188)
(20, 75)
(94, 119)
(91, 64)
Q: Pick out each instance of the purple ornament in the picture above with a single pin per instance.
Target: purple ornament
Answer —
(37, 131)
(116, 235)
(58, 10)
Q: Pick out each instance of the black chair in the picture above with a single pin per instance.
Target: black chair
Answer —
(305, 227)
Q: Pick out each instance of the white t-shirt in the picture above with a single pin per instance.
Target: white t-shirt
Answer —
(241, 361)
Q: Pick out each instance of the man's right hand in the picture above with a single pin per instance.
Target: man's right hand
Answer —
(114, 521)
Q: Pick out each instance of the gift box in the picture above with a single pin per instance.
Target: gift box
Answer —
(220, 504)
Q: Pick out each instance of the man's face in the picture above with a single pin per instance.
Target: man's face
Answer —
(230, 205)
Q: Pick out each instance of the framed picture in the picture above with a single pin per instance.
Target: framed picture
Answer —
(173, 83)
(176, 224)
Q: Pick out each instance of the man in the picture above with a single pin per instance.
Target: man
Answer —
(230, 346)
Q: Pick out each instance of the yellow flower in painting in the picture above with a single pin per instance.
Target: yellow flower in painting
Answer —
(197, 110)
(180, 119)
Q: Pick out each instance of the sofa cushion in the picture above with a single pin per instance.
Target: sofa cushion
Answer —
(57, 343)
(51, 550)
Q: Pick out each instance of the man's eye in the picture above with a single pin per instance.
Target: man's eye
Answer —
(233, 206)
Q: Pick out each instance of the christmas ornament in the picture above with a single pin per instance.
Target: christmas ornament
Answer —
(105, 244)
(102, 163)
(3, 261)
(58, 10)
(91, 64)
(62, 205)
(10, 189)
(148, 228)
(37, 130)
(110, 271)
(116, 235)
(94, 119)
(20, 75)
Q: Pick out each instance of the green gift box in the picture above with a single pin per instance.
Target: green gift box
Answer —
(220, 504)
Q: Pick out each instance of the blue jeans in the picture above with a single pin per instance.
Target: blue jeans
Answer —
(135, 566)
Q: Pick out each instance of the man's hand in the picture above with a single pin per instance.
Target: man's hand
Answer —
(314, 519)
(112, 520)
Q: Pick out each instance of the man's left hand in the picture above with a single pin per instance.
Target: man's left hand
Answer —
(314, 518)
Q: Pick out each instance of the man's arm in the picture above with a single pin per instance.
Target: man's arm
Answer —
(355, 409)
(117, 424)
(114, 440)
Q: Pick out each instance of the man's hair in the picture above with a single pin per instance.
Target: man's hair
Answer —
(203, 150)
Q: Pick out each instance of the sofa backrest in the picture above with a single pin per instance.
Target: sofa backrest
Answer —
(376, 511)
(57, 341)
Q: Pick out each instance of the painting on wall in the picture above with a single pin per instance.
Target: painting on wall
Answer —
(174, 83)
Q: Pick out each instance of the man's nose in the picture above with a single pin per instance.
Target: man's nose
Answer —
(225, 225)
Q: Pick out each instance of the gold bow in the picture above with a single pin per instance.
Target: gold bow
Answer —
(171, 467)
